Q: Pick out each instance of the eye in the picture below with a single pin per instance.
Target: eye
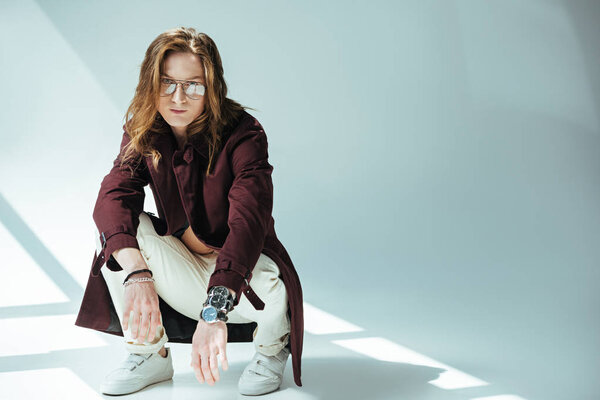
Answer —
(197, 89)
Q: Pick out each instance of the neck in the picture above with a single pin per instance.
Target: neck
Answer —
(180, 136)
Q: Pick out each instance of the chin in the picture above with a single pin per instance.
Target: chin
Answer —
(178, 124)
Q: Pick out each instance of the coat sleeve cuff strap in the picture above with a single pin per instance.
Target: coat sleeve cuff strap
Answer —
(112, 240)
(237, 282)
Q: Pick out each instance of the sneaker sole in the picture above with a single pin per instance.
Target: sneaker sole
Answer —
(256, 389)
(127, 388)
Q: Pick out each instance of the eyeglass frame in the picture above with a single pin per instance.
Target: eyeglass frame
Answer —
(181, 82)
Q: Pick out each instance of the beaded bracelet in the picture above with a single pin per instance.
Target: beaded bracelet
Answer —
(135, 272)
(134, 280)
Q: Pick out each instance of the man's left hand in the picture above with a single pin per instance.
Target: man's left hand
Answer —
(208, 342)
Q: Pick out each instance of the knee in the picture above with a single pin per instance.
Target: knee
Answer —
(268, 283)
(274, 293)
(145, 227)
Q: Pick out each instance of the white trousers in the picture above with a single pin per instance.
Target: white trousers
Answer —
(181, 280)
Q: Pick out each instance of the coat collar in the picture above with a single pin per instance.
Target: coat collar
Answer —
(198, 142)
(166, 144)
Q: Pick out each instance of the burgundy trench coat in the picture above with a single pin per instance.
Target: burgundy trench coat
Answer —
(230, 211)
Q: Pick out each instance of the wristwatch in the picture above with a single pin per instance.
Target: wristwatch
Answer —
(218, 303)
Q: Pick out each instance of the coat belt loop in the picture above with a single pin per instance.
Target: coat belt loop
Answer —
(252, 297)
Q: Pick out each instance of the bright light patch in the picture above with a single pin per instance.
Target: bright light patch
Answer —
(30, 285)
(50, 383)
(319, 322)
(386, 350)
(35, 335)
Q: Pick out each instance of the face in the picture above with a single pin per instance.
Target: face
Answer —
(185, 67)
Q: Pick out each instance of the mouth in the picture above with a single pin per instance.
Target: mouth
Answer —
(177, 111)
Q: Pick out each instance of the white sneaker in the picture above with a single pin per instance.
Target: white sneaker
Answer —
(137, 372)
(263, 374)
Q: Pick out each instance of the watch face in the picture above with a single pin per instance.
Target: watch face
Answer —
(221, 290)
(218, 301)
(209, 314)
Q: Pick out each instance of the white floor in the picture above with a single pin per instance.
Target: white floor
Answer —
(49, 357)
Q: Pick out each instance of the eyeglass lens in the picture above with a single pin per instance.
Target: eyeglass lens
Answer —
(192, 90)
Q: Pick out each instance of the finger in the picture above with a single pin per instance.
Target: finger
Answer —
(205, 366)
(141, 332)
(223, 355)
(144, 322)
(126, 318)
(196, 367)
(199, 375)
(154, 323)
(135, 323)
(214, 366)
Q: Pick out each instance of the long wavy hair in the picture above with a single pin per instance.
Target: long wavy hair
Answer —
(142, 118)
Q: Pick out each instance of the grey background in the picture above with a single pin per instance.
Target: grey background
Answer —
(436, 164)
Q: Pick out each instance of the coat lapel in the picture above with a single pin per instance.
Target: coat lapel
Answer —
(168, 201)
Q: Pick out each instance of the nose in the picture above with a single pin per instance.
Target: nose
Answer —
(178, 96)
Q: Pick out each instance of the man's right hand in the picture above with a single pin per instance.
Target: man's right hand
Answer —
(142, 299)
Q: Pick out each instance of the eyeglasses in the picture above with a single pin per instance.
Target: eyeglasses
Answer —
(193, 90)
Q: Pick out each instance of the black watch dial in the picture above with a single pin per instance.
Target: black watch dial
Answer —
(222, 290)
(218, 301)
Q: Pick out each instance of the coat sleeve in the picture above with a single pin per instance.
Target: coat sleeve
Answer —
(119, 204)
(250, 206)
